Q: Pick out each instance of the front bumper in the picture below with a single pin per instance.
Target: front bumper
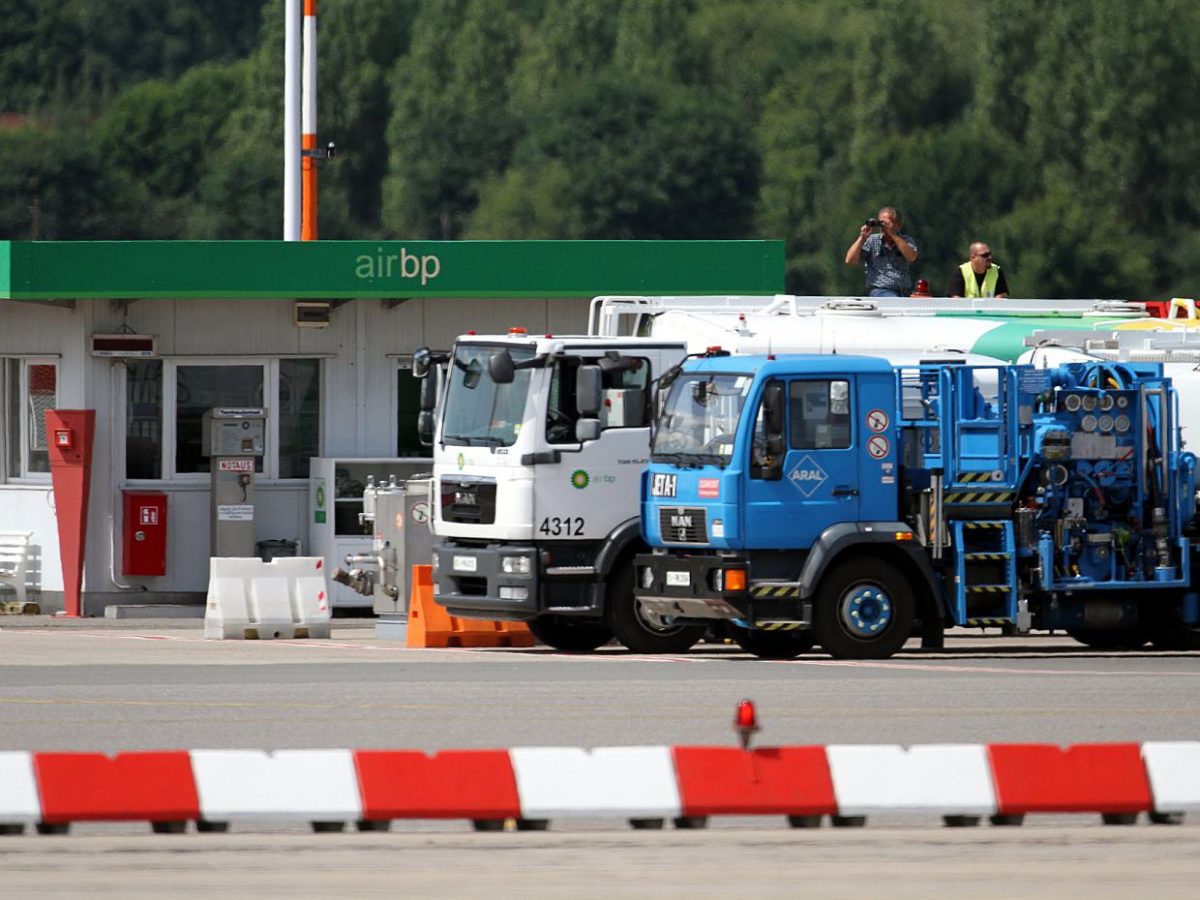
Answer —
(470, 581)
(682, 587)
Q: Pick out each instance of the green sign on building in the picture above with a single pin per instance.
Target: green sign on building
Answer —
(387, 269)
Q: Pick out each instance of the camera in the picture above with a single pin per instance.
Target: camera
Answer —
(873, 223)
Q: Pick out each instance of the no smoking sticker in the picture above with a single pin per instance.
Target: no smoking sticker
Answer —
(877, 420)
(878, 446)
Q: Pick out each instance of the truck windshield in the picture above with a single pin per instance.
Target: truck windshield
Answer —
(699, 419)
(478, 411)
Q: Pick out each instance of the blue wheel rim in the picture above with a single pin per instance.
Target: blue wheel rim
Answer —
(867, 611)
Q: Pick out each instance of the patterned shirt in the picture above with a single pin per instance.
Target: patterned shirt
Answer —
(886, 267)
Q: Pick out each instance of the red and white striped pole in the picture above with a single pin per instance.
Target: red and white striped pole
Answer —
(308, 139)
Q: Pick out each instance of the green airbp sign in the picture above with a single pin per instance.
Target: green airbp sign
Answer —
(327, 270)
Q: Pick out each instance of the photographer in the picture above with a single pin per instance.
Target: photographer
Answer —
(885, 253)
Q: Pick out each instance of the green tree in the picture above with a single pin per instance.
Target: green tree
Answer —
(639, 162)
(451, 125)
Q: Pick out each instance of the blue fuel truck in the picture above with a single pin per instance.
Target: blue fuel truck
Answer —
(852, 503)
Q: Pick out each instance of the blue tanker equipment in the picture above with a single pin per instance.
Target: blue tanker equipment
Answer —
(849, 502)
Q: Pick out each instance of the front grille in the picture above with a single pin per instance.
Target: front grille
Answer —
(471, 502)
(682, 525)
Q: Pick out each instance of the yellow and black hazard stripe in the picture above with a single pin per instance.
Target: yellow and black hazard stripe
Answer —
(984, 523)
(988, 588)
(977, 477)
(773, 591)
(985, 555)
(978, 497)
(980, 623)
(777, 626)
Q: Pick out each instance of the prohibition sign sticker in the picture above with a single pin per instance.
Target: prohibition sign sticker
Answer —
(877, 446)
(877, 420)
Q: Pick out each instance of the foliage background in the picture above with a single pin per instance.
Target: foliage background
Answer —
(1065, 135)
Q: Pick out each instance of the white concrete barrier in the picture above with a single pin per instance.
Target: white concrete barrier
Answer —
(555, 782)
(20, 802)
(287, 785)
(287, 597)
(953, 779)
(1174, 772)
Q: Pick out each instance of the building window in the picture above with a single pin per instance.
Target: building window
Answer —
(28, 387)
(165, 401)
(199, 388)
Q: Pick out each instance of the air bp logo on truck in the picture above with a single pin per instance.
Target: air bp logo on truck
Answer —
(806, 476)
(580, 479)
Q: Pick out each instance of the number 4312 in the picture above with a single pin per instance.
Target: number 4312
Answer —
(556, 527)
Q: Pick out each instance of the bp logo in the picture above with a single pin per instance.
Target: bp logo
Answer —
(462, 461)
(579, 479)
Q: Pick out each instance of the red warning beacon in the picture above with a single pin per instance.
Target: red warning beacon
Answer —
(745, 722)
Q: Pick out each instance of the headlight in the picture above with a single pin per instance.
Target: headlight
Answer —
(514, 565)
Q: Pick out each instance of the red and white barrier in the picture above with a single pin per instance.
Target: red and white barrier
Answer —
(959, 781)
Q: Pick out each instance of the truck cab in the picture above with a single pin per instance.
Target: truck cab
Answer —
(535, 495)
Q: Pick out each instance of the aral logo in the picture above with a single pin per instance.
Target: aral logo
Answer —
(806, 476)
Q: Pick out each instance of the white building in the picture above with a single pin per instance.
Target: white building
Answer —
(230, 327)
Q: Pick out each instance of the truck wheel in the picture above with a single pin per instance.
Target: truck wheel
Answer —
(570, 635)
(772, 644)
(639, 632)
(1111, 638)
(864, 610)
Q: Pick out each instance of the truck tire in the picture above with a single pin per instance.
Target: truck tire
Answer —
(772, 644)
(624, 616)
(864, 610)
(569, 635)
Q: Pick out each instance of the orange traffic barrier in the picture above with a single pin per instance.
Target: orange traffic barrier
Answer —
(429, 625)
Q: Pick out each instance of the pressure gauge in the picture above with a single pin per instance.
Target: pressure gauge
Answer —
(1105, 423)
(1089, 402)
(1106, 402)
(1072, 403)
(1088, 422)
(1121, 423)
(1122, 402)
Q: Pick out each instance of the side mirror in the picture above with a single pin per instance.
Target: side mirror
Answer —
(500, 367)
(421, 362)
(425, 427)
(587, 430)
(588, 391)
(429, 386)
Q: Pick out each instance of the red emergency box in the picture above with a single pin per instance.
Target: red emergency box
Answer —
(144, 536)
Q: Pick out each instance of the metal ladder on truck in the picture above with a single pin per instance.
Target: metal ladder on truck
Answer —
(979, 438)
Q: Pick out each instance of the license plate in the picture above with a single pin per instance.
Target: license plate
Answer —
(465, 564)
(679, 579)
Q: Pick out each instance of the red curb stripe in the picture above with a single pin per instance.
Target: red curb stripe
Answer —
(154, 786)
(772, 780)
(1105, 778)
(452, 784)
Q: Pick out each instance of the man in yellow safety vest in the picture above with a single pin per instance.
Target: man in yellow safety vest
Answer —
(978, 276)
